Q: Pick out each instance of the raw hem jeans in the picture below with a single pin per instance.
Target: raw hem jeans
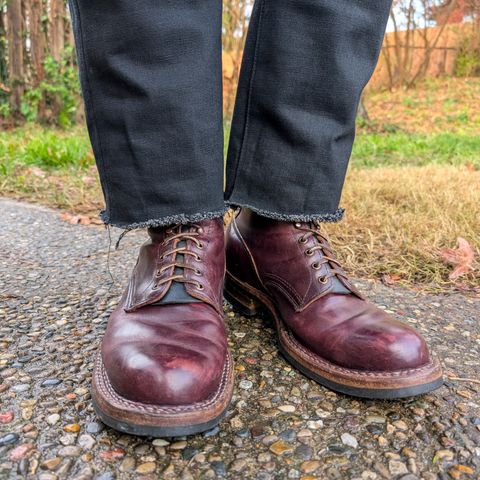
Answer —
(152, 82)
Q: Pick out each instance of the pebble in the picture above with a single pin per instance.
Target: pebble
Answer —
(280, 447)
(50, 382)
(397, 468)
(160, 442)
(349, 440)
(70, 451)
(6, 417)
(245, 384)
(310, 466)
(8, 439)
(53, 418)
(148, 467)
(86, 441)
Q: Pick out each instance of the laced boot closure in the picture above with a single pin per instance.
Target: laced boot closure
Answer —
(325, 261)
(179, 264)
(172, 262)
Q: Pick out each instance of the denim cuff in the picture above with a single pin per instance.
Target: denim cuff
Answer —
(314, 217)
(178, 219)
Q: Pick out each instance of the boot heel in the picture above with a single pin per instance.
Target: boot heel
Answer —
(240, 299)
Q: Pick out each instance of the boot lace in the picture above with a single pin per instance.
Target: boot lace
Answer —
(191, 232)
(328, 257)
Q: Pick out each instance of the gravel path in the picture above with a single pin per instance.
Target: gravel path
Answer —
(55, 298)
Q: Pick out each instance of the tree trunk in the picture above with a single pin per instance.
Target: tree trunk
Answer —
(38, 41)
(15, 53)
(57, 28)
(3, 52)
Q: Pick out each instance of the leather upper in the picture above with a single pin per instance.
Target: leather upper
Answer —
(173, 353)
(298, 270)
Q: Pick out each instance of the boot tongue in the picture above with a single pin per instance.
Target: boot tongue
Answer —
(177, 293)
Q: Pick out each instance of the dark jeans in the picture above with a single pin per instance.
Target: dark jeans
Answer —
(152, 82)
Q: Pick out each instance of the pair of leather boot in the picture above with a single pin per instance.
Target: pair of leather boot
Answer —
(164, 368)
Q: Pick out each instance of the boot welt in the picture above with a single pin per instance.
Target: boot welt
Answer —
(143, 419)
(359, 383)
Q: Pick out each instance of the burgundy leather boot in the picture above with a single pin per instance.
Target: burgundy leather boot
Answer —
(164, 368)
(325, 327)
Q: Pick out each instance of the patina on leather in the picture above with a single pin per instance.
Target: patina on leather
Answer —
(293, 264)
(174, 353)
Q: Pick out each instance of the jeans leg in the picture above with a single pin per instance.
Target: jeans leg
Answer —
(151, 77)
(305, 65)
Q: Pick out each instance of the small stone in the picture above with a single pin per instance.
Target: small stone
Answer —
(95, 427)
(20, 452)
(148, 467)
(50, 382)
(238, 465)
(309, 466)
(160, 442)
(397, 468)
(72, 428)
(400, 425)
(349, 440)
(315, 424)
(444, 455)
(304, 452)
(211, 433)
(6, 417)
(245, 384)
(112, 455)
(127, 465)
(21, 388)
(86, 441)
(287, 408)
(8, 439)
(219, 468)
(280, 447)
(178, 445)
(70, 451)
(189, 452)
(51, 463)
(53, 418)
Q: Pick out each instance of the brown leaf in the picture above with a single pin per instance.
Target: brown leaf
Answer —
(37, 172)
(462, 258)
(391, 279)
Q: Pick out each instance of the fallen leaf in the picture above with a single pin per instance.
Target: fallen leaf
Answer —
(461, 258)
(391, 279)
(38, 172)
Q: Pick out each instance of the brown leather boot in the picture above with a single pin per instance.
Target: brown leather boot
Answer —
(325, 327)
(164, 368)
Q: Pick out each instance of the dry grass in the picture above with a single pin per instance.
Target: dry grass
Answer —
(399, 218)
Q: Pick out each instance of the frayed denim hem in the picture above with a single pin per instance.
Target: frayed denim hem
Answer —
(320, 217)
(179, 219)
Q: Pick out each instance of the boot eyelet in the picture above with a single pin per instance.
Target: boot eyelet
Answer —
(197, 258)
(316, 266)
(323, 280)
(302, 240)
(198, 272)
(308, 253)
(200, 246)
(200, 286)
(298, 225)
(200, 230)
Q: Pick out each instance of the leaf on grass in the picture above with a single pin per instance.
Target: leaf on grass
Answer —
(391, 279)
(79, 219)
(38, 172)
(462, 258)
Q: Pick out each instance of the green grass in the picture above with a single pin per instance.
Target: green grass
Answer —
(46, 149)
(402, 149)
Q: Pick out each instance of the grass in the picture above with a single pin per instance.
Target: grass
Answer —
(412, 187)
